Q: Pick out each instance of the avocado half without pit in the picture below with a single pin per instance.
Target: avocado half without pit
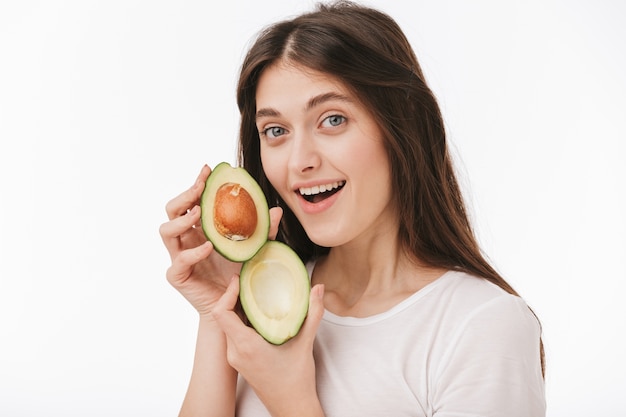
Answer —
(274, 292)
(274, 283)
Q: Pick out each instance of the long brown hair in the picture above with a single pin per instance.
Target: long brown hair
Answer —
(369, 53)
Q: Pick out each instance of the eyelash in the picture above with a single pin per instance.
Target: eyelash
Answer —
(335, 116)
(266, 132)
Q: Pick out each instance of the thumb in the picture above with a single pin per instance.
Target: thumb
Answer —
(226, 303)
(315, 314)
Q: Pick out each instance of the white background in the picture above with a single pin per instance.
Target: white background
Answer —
(109, 108)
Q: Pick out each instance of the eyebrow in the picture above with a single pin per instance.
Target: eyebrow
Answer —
(313, 102)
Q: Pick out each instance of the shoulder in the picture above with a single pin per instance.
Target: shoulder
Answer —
(486, 328)
(469, 295)
(492, 348)
(480, 305)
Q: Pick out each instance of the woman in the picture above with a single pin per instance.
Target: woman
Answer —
(406, 316)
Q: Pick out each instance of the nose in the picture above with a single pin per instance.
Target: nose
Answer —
(305, 155)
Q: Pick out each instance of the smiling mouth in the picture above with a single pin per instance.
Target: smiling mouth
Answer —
(321, 192)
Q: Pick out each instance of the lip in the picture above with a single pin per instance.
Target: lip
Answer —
(316, 208)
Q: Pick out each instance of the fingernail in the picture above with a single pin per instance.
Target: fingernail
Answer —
(233, 279)
(320, 292)
(205, 166)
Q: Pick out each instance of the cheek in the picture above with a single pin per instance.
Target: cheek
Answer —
(272, 167)
(374, 171)
(369, 156)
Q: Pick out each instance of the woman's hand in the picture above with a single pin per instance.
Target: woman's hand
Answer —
(283, 377)
(198, 272)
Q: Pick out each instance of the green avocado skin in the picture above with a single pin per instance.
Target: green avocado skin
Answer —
(274, 289)
(236, 251)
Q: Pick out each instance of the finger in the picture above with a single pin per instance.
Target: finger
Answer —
(181, 203)
(172, 230)
(224, 315)
(315, 314)
(276, 213)
(182, 264)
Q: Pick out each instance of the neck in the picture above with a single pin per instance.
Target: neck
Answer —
(369, 276)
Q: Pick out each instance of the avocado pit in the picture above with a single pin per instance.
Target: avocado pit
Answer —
(234, 212)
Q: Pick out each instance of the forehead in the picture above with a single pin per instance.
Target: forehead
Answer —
(291, 82)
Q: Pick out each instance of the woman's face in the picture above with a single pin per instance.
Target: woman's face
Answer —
(324, 155)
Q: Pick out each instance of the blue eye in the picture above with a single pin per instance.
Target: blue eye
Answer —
(334, 120)
(273, 132)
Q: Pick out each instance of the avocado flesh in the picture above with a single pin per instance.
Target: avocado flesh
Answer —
(233, 249)
(274, 292)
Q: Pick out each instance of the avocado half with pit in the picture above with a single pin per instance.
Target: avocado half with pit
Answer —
(234, 213)
(274, 290)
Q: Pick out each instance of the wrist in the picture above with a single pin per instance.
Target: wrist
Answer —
(297, 404)
(206, 321)
(312, 409)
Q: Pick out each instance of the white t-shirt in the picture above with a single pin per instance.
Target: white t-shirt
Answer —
(459, 347)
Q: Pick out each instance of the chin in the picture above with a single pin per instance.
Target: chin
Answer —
(327, 239)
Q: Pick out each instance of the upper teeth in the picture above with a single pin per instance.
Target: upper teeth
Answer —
(320, 188)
